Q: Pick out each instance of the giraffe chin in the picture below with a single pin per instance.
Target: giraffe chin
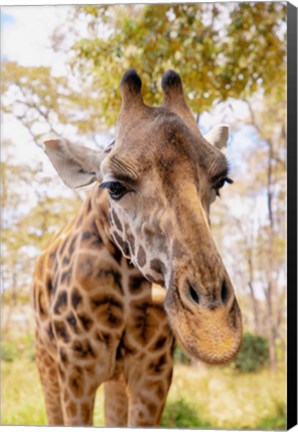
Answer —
(214, 337)
(215, 355)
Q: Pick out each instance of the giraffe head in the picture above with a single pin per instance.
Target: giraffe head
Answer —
(161, 175)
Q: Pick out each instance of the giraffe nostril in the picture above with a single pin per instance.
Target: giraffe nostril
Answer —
(194, 295)
(224, 292)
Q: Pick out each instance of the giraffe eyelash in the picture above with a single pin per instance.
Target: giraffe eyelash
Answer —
(116, 189)
(220, 184)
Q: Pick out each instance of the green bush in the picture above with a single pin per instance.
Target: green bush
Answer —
(31, 354)
(277, 421)
(181, 414)
(27, 343)
(180, 356)
(253, 355)
(14, 348)
(8, 352)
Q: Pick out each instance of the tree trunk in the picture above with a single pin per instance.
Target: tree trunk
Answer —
(253, 296)
(271, 285)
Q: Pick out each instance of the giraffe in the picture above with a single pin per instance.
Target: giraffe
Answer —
(137, 267)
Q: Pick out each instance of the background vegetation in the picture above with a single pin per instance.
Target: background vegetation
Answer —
(232, 61)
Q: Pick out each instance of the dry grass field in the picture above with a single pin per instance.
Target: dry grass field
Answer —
(200, 397)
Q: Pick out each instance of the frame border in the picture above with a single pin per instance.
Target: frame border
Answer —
(292, 216)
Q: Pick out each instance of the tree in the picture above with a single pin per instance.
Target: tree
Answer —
(221, 51)
(259, 237)
(45, 103)
(30, 216)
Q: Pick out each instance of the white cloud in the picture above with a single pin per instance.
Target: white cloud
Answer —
(27, 39)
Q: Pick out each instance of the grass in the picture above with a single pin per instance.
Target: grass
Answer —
(208, 397)
(228, 400)
(21, 395)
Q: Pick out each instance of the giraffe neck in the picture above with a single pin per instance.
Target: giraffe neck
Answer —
(106, 221)
(97, 203)
(152, 265)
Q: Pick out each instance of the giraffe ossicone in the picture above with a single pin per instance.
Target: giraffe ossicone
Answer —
(144, 224)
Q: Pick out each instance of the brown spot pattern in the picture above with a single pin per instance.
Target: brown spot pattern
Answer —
(61, 331)
(136, 284)
(85, 413)
(108, 310)
(122, 243)
(76, 298)
(61, 303)
(82, 349)
(141, 257)
(158, 266)
(75, 383)
(117, 221)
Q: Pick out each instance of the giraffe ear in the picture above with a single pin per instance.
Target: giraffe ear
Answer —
(76, 165)
(218, 136)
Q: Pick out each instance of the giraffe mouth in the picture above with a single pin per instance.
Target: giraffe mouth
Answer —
(217, 348)
(212, 336)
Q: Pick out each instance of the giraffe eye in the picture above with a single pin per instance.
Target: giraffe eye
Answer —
(220, 184)
(116, 190)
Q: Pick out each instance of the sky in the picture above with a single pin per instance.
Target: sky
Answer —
(25, 34)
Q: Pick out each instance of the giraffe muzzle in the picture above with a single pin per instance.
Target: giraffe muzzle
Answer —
(207, 323)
